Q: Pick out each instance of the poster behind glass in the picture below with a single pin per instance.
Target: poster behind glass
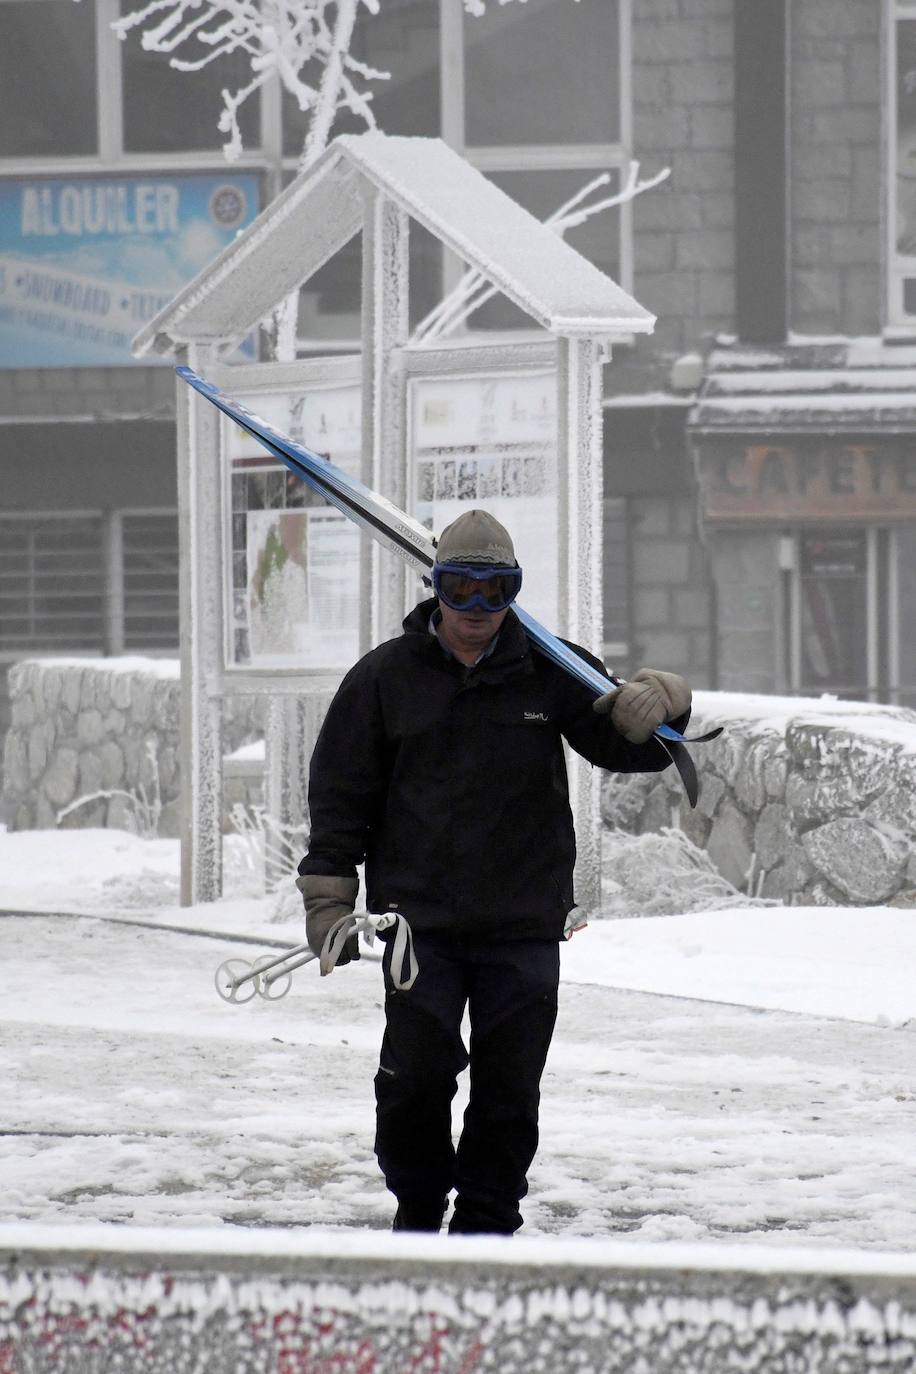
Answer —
(491, 442)
(293, 575)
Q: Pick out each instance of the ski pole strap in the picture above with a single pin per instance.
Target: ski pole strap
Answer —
(404, 967)
(334, 942)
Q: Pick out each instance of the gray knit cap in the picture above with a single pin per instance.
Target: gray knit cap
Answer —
(476, 537)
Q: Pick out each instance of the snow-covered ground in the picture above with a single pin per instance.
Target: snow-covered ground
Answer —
(748, 1073)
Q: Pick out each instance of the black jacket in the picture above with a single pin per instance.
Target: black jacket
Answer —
(451, 782)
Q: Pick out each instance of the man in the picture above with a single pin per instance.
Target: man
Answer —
(440, 763)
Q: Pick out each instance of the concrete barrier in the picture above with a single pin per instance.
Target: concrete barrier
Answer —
(99, 1299)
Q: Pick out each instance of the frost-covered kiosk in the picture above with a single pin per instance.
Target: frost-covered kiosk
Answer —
(279, 593)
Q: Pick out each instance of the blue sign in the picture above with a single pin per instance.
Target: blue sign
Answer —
(86, 261)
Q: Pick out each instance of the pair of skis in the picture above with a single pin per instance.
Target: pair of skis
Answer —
(411, 541)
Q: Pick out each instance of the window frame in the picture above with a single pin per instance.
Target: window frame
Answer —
(120, 550)
(897, 266)
(111, 155)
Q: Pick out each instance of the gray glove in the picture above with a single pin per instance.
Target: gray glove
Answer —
(327, 899)
(638, 707)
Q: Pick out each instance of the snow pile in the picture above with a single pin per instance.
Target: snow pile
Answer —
(662, 874)
(107, 871)
(851, 963)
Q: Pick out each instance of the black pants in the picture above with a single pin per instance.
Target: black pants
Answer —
(511, 992)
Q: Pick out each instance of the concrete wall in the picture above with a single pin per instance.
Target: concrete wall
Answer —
(109, 726)
(162, 1302)
(67, 392)
(807, 801)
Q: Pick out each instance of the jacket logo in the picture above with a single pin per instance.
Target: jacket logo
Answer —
(535, 715)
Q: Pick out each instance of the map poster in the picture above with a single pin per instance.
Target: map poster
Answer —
(302, 597)
(293, 579)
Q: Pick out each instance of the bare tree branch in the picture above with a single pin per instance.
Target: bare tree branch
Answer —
(474, 290)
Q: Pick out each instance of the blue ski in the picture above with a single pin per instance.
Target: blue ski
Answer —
(414, 543)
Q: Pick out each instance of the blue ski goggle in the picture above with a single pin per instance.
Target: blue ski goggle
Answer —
(464, 588)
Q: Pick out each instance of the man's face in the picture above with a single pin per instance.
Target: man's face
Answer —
(467, 633)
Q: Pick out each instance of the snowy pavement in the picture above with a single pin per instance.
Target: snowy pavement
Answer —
(131, 1093)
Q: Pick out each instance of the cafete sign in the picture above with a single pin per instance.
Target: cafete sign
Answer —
(809, 479)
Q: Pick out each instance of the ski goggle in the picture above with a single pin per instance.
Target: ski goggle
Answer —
(463, 588)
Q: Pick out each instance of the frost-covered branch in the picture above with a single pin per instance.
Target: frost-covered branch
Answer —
(474, 290)
(279, 38)
(478, 8)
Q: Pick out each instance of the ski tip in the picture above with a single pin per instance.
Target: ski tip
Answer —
(704, 739)
(680, 757)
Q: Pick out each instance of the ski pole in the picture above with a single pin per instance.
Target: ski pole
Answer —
(264, 973)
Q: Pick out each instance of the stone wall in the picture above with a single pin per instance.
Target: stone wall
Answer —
(82, 727)
(808, 801)
(836, 160)
(683, 118)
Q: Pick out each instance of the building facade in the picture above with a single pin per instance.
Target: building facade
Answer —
(746, 543)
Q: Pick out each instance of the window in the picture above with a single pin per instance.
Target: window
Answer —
(542, 73)
(530, 93)
(402, 39)
(47, 79)
(329, 302)
(543, 193)
(846, 611)
(92, 583)
(834, 608)
(902, 161)
(168, 111)
(533, 94)
(52, 584)
(150, 578)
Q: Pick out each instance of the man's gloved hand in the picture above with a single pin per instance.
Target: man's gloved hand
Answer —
(648, 700)
(328, 898)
